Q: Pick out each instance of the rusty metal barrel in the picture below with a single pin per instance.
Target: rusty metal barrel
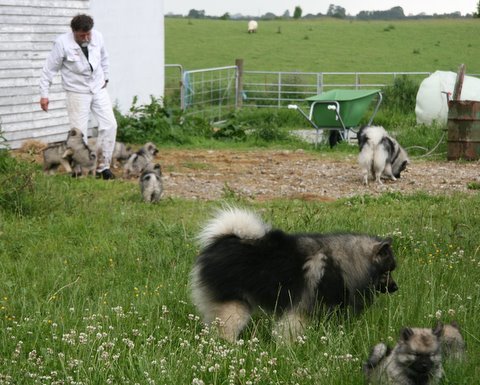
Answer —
(463, 139)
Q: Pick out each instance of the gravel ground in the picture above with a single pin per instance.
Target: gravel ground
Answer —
(270, 174)
(267, 174)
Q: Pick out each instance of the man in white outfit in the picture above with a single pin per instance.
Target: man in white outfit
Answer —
(82, 60)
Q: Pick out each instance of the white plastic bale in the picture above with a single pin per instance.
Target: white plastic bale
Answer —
(431, 105)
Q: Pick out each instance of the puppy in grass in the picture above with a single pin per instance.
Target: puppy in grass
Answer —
(416, 359)
(151, 185)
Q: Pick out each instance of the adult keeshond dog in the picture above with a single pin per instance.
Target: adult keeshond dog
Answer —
(416, 359)
(380, 155)
(244, 265)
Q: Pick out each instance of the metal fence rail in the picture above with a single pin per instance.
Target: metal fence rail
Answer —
(214, 92)
(278, 89)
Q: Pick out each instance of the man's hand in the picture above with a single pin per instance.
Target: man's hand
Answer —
(44, 104)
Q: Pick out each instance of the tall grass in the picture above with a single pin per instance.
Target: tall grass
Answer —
(94, 287)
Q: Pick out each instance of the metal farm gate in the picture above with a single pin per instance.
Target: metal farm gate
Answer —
(213, 93)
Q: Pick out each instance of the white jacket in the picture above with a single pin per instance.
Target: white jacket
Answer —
(77, 75)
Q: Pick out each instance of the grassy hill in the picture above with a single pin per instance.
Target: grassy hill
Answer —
(323, 45)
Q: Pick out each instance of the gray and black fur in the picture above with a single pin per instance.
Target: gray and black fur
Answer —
(244, 265)
(140, 160)
(151, 184)
(121, 152)
(416, 359)
(380, 155)
(53, 157)
(83, 158)
(453, 343)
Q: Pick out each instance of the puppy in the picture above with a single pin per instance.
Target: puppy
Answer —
(151, 183)
(121, 152)
(84, 159)
(453, 344)
(53, 157)
(244, 265)
(380, 154)
(140, 160)
(415, 360)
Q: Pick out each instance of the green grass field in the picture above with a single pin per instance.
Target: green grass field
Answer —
(94, 287)
(325, 45)
(94, 283)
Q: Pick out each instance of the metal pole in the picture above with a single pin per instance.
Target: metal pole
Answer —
(239, 83)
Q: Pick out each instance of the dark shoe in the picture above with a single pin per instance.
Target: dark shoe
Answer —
(107, 174)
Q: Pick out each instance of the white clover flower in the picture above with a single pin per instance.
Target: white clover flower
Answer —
(130, 344)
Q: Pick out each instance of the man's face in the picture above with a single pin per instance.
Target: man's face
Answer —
(82, 38)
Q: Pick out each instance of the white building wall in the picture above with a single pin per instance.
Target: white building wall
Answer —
(27, 31)
(134, 38)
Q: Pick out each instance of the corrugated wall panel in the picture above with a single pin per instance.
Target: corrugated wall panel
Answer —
(27, 31)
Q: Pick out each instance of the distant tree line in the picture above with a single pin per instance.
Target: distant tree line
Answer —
(395, 13)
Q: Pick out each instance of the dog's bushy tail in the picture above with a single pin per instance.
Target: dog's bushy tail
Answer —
(233, 221)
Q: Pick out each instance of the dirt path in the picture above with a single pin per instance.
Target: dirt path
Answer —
(268, 174)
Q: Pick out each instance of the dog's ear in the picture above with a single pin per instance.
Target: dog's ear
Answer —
(382, 249)
(406, 333)
(438, 329)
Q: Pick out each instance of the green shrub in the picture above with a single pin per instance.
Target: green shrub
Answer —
(158, 123)
(401, 96)
(17, 183)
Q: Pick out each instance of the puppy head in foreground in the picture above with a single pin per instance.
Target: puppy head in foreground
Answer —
(419, 351)
(246, 265)
(415, 359)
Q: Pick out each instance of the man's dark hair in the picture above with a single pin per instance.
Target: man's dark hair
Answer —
(82, 23)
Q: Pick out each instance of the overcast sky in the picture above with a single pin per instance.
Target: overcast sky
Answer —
(353, 7)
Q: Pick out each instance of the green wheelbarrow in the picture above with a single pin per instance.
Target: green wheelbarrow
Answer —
(339, 110)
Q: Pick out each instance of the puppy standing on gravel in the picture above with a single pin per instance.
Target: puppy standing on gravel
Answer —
(140, 160)
(380, 154)
(151, 184)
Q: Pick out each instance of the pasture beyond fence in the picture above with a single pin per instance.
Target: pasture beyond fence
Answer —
(214, 92)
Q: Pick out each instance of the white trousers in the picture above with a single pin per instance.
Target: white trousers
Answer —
(79, 107)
